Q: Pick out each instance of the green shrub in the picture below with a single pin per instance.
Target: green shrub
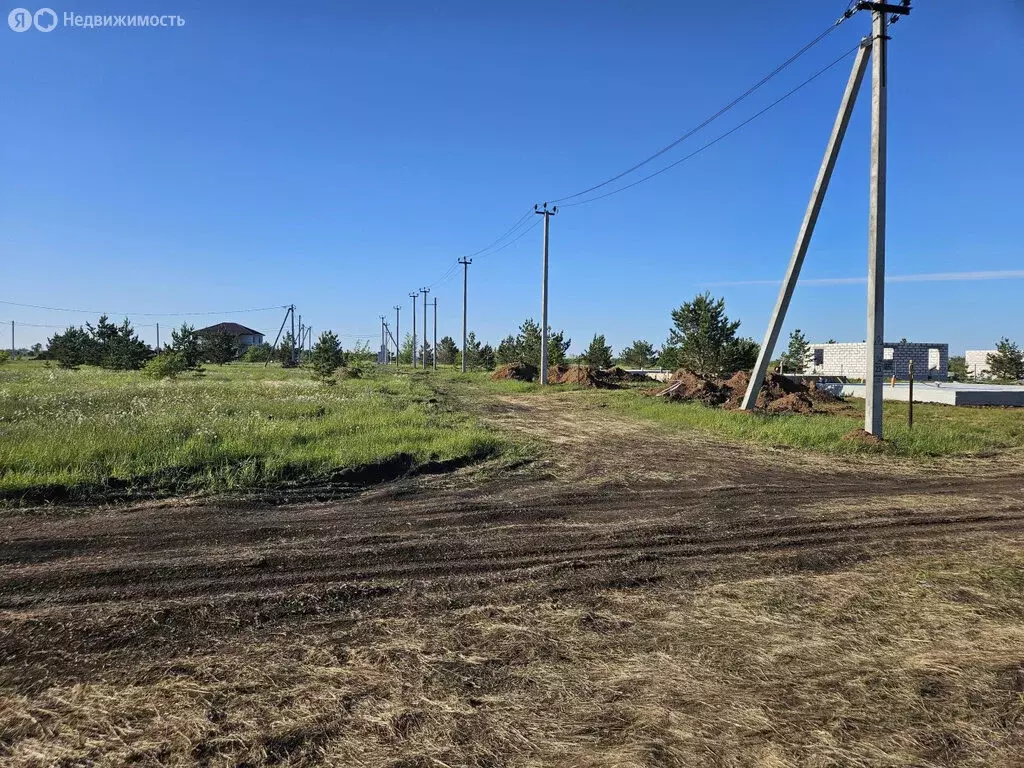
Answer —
(165, 365)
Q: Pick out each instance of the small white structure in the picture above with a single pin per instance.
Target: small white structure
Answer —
(849, 359)
(977, 363)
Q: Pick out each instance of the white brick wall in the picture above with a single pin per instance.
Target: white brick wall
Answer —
(977, 362)
(931, 361)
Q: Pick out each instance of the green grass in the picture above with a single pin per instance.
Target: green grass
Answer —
(939, 430)
(237, 427)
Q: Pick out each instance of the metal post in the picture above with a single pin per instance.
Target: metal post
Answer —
(423, 357)
(876, 232)
(910, 398)
(414, 296)
(398, 350)
(433, 356)
(544, 295)
(465, 277)
(803, 239)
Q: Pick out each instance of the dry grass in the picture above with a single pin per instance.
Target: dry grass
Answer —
(914, 662)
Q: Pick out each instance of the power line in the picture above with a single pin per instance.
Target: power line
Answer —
(141, 314)
(707, 121)
(714, 141)
(454, 267)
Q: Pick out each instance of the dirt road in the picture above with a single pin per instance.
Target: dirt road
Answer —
(196, 633)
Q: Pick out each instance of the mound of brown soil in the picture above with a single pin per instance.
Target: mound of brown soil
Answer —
(794, 402)
(581, 375)
(863, 437)
(687, 385)
(516, 372)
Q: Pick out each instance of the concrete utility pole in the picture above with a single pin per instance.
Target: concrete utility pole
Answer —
(803, 240)
(12, 339)
(544, 294)
(433, 356)
(294, 340)
(423, 357)
(158, 337)
(398, 351)
(465, 277)
(414, 296)
(383, 342)
(876, 219)
(873, 377)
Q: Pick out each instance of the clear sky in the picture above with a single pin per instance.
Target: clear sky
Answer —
(339, 155)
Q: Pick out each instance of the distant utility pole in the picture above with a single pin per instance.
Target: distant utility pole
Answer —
(423, 358)
(12, 339)
(294, 341)
(298, 342)
(433, 355)
(383, 358)
(465, 279)
(875, 47)
(288, 311)
(158, 337)
(414, 296)
(398, 308)
(544, 294)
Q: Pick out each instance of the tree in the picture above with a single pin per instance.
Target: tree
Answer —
(447, 351)
(164, 365)
(740, 355)
(704, 338)
(185, 343)
(796, 354)
(405, 353)
(1007, 362)
(5, 356)
(219, 348)
(37, 348)
(116, 347)
(639, 354)
(71, 348)
(599, 353)
(285, 352)
(326, 356)
(958, 368)
(525, 347)
(485, 358)
(258, 353)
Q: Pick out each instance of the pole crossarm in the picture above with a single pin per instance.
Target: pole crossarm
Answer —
(899, 10)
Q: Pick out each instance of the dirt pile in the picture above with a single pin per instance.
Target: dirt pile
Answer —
(622, 375)
(779, 394)
(582, 376)
(863, 437)
(515, 372)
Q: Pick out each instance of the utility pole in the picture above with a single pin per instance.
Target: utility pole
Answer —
(414, 296)
(803, 240)
(876, 226)
(433, 356)
(398, 351)
(12, 339)
(544, 294)
(465, 278)
(423, 358)
(294, 340)
(158, 337)
(383, 349)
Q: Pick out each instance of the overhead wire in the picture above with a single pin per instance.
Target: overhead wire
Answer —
(707, 121)
(714, 141)
(142, 314)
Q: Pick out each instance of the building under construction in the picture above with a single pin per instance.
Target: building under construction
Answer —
(849, 359)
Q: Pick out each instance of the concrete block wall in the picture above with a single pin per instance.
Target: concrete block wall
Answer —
(977, 362)
(931, 361)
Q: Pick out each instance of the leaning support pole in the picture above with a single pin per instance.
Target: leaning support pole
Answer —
(873, 377)
(803, 240)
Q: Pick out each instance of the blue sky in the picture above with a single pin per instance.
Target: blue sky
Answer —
(340, 155)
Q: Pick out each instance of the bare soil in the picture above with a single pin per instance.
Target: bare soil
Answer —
(633, 599)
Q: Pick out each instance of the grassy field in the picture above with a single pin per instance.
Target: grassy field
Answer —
(939, 430)
(236, 427)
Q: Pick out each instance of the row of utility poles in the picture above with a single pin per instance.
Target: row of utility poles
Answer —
(875, 48)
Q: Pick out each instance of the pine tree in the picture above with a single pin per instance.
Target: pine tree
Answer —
(219, 348)
(447, 351)
(795, 357)
(1007, 362)
(186, 344)
(326, 356)
(70, 349)
(639, 354)
(703, 338)
(599, 353)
